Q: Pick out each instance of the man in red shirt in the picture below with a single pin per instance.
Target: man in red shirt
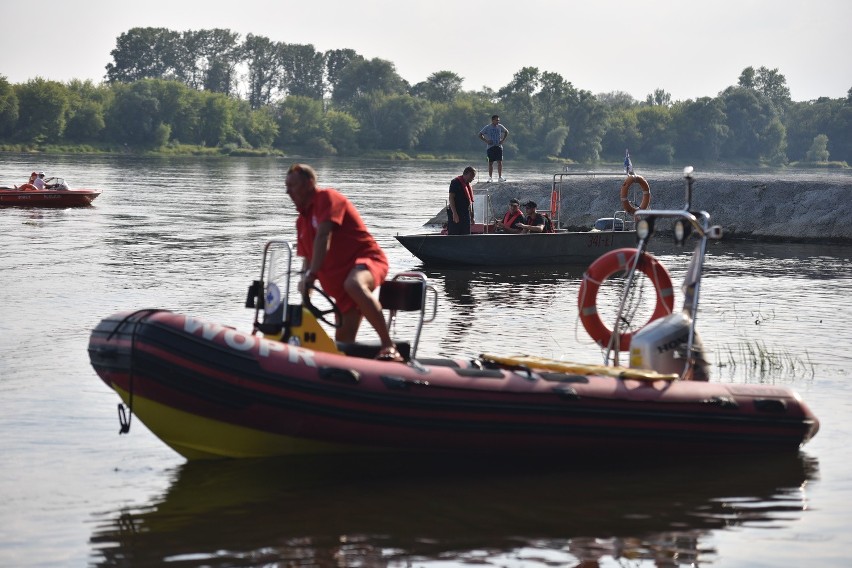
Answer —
(340, 253)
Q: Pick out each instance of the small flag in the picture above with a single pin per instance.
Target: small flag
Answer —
(628, 166)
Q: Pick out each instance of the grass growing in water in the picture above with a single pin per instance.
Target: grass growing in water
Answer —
(759, 361)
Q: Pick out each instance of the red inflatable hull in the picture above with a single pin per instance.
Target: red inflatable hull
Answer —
(212, 391)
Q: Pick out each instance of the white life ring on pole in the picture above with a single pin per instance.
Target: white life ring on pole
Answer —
(615, 261)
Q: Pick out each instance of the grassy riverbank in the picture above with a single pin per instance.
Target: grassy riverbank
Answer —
(112, 149)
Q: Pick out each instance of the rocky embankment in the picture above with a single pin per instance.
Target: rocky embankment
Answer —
(795, 207)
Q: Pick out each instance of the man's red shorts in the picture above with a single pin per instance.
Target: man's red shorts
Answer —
(332, 284)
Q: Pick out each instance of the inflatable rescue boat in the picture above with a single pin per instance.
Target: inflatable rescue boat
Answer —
(212, 391)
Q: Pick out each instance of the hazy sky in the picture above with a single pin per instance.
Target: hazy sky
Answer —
(688, 48)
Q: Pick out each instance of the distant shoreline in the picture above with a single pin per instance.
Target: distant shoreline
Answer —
(392, 155)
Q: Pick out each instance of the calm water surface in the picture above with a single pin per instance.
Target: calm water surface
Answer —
(186, 234)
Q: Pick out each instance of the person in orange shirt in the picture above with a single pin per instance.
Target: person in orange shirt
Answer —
(340, 252)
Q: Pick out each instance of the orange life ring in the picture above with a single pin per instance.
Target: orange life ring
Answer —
(27, 187)
(628, 207)
(617, 261)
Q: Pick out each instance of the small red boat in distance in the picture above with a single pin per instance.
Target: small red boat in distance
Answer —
(58, 195)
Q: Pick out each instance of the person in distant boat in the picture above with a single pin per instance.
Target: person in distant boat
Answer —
(340, 252)
(535, 222)
(512, 219)
(29, 184)
(494, 135)
(39, 181)
(460, 203)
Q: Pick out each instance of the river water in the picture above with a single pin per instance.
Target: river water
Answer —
(186, 234)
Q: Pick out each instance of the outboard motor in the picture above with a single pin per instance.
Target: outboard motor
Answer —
(661, 346)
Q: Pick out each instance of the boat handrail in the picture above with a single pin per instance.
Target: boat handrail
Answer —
(588, 174)
(556, 186)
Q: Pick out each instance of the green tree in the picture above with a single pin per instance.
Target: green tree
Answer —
(755, 132)
(806, 120)
(439, 87)
(454, 126)
(343, 131)
(818, 151)
(659, 98)
(180, 107)
(42, 106)
(87, 105)
(392, 122)
(303, 70)
(134, 117)
(551, 104)
(335, 61)
(840, 136)
(87, 123)
(188, 58)
(217, 119)
(770, 83)
(554, 141)
(553, 99)
(8, 107)
(700, 129)
(361, 78)
(403, 120)
(142, 53)
(622, 133)
(207, 59)
(775, 142)
(516, 99)
(587, 119)
(222, 51)
(263, 57)
(748, 78)
(654, 123)
(301, 123)
(617, 100)
(258, 126)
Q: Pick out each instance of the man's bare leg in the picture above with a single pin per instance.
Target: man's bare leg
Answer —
(359, 284)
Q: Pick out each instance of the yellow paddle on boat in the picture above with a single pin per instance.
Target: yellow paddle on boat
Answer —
(578, 368)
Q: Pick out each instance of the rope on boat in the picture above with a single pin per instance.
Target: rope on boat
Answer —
(125, 414)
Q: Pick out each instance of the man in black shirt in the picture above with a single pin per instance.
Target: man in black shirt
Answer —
(535, 222)
(460, 209)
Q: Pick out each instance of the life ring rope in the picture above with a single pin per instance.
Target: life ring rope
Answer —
(619, 260)
(629, 207)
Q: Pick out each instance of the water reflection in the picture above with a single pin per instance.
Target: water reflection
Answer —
(521, 305)
(458, 292)
(395, 510)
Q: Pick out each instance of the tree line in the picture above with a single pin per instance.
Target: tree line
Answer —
(211, 88)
